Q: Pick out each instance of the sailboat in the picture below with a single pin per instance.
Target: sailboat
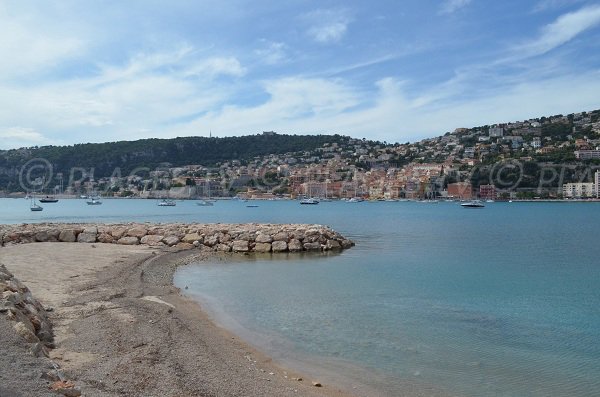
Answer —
(34, 206)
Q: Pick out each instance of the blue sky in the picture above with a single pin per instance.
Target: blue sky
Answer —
(396, 71)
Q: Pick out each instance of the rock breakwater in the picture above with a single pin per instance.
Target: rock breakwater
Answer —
(30, 317)
(251, 237)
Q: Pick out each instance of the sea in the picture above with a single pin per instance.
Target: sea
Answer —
(434, 299)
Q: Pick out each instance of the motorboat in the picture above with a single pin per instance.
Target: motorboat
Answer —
(94, 201)
(309, 201)
(204, 203)
(473, 204)
(166, 203)
(49, 199)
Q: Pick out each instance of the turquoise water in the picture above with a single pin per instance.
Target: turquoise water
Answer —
(502, 301)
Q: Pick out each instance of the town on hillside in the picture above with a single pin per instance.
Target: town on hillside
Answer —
(555, 157)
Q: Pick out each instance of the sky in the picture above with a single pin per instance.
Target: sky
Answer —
(394, 71)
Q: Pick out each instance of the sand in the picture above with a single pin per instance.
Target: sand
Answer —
(123, 329)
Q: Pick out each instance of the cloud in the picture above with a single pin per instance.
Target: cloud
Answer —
(218, 66)
(561, 31)
(27, 46)
(327, 26)
(271, 52)
(451, 6)
(22, 136)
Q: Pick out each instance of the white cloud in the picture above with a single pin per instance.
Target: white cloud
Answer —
(27, 46)
(327, 26)
(545, 5)
(561, 31)
(213, 67)
(21, 136)
(271, 52)
(450, 6)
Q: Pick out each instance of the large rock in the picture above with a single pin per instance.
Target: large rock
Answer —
(312, 246)
(42, 236)
(263, 238)
(240, 246)
(223, 247)
(295, 245)
(171, 240)
(137, 231)
(88, 235)
(333, 245)
(26, 333)
(118, 232)
(128, 240)
(281, 236)
(152, 240)
(279, 246)
(106, 238)
(191, 237)
(67, 236)
(211, 241)
(262, 247)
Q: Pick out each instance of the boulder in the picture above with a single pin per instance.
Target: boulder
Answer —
(240, 246)
(263, 238)
(152, 240)
(223, 247)
(137, 231)
(106, 238)
(262, 247)
(312, 246)
(191, 237)
(88, 235)
(347, 244)
(295, 245)
(281, 236)
(118, 232)
(171, 240)
(332, 245)
(128, 240)
(42, 236)
(212, 240)
(67, 236)
(26, 333)
(185, 246)
(279, 246)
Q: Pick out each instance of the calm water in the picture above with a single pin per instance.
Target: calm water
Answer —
(502, 301)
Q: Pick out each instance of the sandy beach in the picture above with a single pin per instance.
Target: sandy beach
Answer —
(123, 329)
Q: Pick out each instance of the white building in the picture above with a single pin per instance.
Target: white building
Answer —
(536, 143)
(597, 183)
(580, 189)
(496, 132)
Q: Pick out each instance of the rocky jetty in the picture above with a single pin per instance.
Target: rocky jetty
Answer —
(250, 237)
(30, 317)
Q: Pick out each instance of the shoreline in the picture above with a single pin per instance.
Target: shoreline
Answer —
(124, 329)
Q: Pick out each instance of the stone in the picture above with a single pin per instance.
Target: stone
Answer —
(137, 231)
(67, 236)
(223, 247)
(191, 237)
(118, 232)
(312, 246)
(281, 236)
(88, 235)
(262, 247)
(211, 241)
(185, 246)
(240, 246)
(26, 333)
(279, 246)
(39, 350)
(152, 240)
(171, 240)
(128, 240)
(295, 245)
(332, 245)
(42, 236)
(106, 238)
(317, 384)
(263, 238)
(347, 244)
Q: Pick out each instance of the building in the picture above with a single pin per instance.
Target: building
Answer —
(536, 143)
(487, 192)
(460, 190)
(597, 183)
(580, 189)
(587, 154)
(496, 132)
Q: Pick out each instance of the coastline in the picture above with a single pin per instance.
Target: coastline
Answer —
(122, 328)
